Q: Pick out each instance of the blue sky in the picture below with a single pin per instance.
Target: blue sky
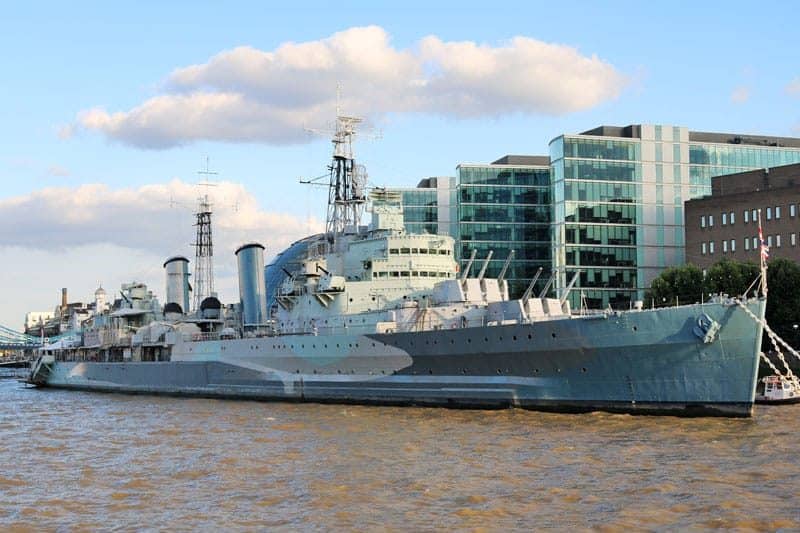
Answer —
(714, 66)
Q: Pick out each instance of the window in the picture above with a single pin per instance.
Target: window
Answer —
(769, 213)
(755, 243)
(777, 212)
(733, 245)
(792, 210)
(769, 240)
(710, 221)
(711, 247)
(724, 246)
(724, 218)
(732, 217)
(703, 248)
(746, 242)
(703, 221)
(754, 215)
(777, 241)
(746, 216)
(793, 239)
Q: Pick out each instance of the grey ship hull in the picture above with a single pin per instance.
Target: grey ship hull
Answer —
(640, 362)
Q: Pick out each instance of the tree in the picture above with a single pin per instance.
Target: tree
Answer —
(682, 282)
(783, 299)
(731, 277)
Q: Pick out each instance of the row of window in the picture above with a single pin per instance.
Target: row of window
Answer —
(410, 274)
(750, 215)
(429, 251)
(750, 243)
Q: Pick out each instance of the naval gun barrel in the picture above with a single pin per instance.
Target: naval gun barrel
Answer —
(469, 265)
(485, 264)
(569, 288)
(502, 275)
(529, 290)
(550, 281)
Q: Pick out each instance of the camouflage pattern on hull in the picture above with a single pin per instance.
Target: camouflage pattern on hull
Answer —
(654, 362)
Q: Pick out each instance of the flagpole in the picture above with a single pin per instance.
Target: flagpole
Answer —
(763, 251)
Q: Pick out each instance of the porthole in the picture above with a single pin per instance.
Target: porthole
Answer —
(635, 328)
(583, 369)
(514, 337)
(530, 336)
(486, 339)
(553, 334)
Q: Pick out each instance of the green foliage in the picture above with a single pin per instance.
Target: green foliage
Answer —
(783, 299)
(733, 278)
(730, 277)
(684, 283)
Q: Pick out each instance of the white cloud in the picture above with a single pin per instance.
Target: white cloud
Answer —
(77, 237)
(793, 87)
(245, 94)
(740, 94)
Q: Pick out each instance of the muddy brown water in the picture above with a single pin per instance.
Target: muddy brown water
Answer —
(75, 461)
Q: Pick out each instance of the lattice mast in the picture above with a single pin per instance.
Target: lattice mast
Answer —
(204, 246)
(346, 193)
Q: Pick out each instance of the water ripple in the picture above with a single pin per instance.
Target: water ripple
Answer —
(79, 461)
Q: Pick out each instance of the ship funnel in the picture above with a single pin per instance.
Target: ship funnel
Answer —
(177, 272)
(252, 291)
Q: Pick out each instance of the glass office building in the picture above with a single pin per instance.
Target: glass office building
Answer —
(430, 207)
(505, 206)
(618, 196)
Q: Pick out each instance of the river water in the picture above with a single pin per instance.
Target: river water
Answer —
(74, 461)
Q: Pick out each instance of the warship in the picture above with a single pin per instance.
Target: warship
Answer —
(376, 315)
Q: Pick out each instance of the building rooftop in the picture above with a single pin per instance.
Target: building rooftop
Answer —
(634, 131)
(524, 160)
(762, 179)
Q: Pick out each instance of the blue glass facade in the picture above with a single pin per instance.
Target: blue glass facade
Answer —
(503, 208)
(618, 201)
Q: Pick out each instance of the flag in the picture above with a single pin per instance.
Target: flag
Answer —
(764, 247)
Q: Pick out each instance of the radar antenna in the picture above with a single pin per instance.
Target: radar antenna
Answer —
(204, 248)
(347, 180)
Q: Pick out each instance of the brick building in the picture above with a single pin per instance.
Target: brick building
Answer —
(725, 224)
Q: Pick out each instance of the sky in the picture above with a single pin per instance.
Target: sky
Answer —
(109, 110)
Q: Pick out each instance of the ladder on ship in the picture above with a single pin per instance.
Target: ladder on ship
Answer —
(41, 370)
